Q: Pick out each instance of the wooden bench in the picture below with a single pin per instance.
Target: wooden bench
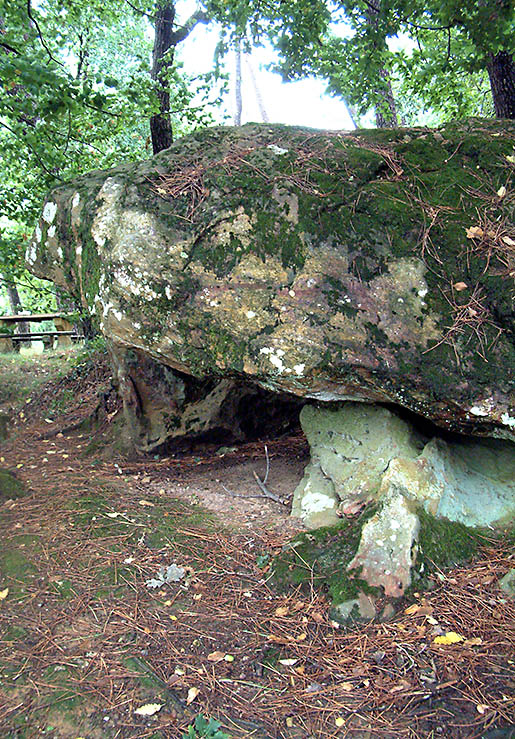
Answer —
(64, 331)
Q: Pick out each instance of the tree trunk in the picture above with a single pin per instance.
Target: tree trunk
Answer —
(239, 101)
(160, 123)
(386, 110)
(17, 307)
(259, 98)
(501, 71)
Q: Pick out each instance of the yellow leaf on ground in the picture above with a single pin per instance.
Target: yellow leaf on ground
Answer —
(216, 656)
(411, 610)
(281, 611)
(501, 192)
(4, 594)
(192, 694)
(148, 709)
(474, 232)
(459, 286)
(339, 721)
(451, 637)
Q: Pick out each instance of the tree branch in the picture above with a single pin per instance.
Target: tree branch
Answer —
(184, 31)
(38, 29)
(9, 48)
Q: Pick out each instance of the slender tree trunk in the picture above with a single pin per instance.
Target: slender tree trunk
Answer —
(501, 71)
(259, 98)
(239, 100)
(162, 59)
(386, 109)
(16, 307)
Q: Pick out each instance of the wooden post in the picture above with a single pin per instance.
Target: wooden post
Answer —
(62, 324)
(6, 344)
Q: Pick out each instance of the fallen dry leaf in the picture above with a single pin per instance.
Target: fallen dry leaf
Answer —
(282, 611)
(192, 694)
(459, 286)
(501, 192)
(146, 503)
(148, 709)
(216, 656)
(474, 232)
(474, 642)
(481, 707)
(4, 594)
(451, 637)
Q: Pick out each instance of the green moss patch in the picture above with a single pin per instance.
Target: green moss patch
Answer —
(320, 558)
(10, 487)
(442, 544)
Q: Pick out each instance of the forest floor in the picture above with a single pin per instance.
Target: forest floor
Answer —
(88, 648)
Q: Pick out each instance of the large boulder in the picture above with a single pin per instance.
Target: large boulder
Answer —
(373, 266)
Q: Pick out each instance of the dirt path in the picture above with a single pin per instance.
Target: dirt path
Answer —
(85, 642)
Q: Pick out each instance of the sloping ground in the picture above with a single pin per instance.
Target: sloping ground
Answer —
(84, 641)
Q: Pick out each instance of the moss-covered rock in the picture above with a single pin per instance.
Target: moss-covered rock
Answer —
(325, 265)
(355, 564)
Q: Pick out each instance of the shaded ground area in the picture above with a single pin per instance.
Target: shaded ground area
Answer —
(85, 642)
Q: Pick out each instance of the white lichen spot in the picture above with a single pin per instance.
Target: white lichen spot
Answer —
(137, 325)
(507, 420)
(184, 255)
(31, 253)
(51, 232)
(395, 525)
(49, 211)
(313, 502)
(38, 234)
(422, 293)
(60, 253)
(477, 410)
(277, 149)
(117, 314)
(76, 200)
(250, 314)
(277, 362)
(266, 350)
(168, 292)
(299, 368)
(78, 250)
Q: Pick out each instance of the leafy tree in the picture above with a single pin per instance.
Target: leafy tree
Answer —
(459, 45)
(76, 94)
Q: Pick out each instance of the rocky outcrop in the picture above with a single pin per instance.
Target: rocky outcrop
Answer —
(375, 266)
(361, 452)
